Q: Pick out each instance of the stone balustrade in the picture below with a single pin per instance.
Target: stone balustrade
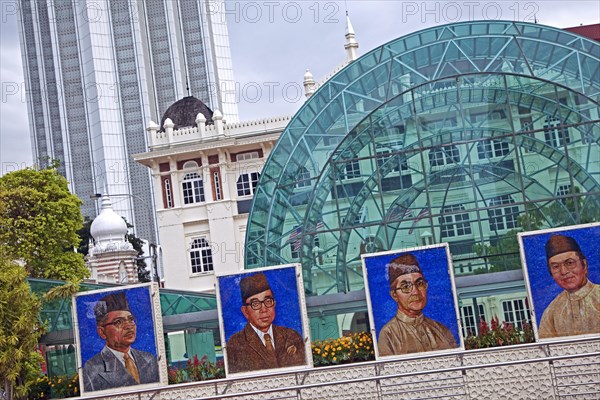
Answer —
(562, 369)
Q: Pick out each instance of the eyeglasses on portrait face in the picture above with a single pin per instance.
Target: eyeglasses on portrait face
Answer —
(120, 322)
(407, 287)
(256, 304)
(569, 263)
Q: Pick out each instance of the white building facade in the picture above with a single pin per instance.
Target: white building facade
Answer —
(97, 71)
(204, 178)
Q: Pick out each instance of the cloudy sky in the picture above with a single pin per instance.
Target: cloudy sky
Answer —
(274, 42)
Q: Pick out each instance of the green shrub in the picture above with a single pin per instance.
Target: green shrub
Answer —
(56, 387)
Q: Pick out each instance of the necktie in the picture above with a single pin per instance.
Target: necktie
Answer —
(268, 342)
(131, 368)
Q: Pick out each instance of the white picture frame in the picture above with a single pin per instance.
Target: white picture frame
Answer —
(287, 286)
(542, 289)
(144, 303)
(442, 306)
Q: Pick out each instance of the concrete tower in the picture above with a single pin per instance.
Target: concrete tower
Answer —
(97, 71)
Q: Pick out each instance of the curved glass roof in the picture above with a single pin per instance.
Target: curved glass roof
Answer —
(460, 133)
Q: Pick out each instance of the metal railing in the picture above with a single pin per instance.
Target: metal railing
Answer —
(563, 376)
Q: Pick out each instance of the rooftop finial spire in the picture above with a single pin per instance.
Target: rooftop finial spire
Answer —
(351, 45)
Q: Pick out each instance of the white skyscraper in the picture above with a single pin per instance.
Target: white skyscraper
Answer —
(96, 71)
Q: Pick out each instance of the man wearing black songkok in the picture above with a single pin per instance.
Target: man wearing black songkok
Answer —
(262, 345)
(410, 331)
(576, 310)
(117, 364)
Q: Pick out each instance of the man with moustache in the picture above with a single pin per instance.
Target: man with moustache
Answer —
(262, 345)
(576, 310)
(410, 331)
(117, 364)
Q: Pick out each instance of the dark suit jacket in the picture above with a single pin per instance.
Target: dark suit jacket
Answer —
(105, 371)
(245, 351)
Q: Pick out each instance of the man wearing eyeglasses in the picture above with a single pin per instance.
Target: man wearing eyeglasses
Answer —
(262, 345)
(576, 310)
(410, 331)
(118, 364)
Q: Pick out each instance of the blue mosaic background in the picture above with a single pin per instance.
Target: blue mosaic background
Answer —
(440, 300)
(285, 290)
(140, 306)
(543, 288)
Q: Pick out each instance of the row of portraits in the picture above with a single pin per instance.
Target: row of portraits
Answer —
(411, 300)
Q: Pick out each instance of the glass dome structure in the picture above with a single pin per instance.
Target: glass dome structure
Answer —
(464, 133)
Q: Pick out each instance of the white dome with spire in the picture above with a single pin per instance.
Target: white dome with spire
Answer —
(109, 229)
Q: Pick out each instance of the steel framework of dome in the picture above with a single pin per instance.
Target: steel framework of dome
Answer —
(460, 133)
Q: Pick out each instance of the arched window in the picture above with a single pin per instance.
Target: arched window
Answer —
(217, 185)
(351, 170)
(122, 273)
(562, 191)
(453, 222)
(303, 178)
(554, 133)
(444, 155)
(246, 183)
(516, 312)
(201, 256)
(193, 188)
(168, 193)
(491, 148)
(470, 325)
(190, 164)
(503, 217)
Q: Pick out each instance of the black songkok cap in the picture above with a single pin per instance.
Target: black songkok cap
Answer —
(402, 265)
(253, 284)
(112, 302)
(558, 244)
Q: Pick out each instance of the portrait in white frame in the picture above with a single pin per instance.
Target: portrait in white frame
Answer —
(119, 339)
(411, 301)
(263, 320)
(562, 274)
